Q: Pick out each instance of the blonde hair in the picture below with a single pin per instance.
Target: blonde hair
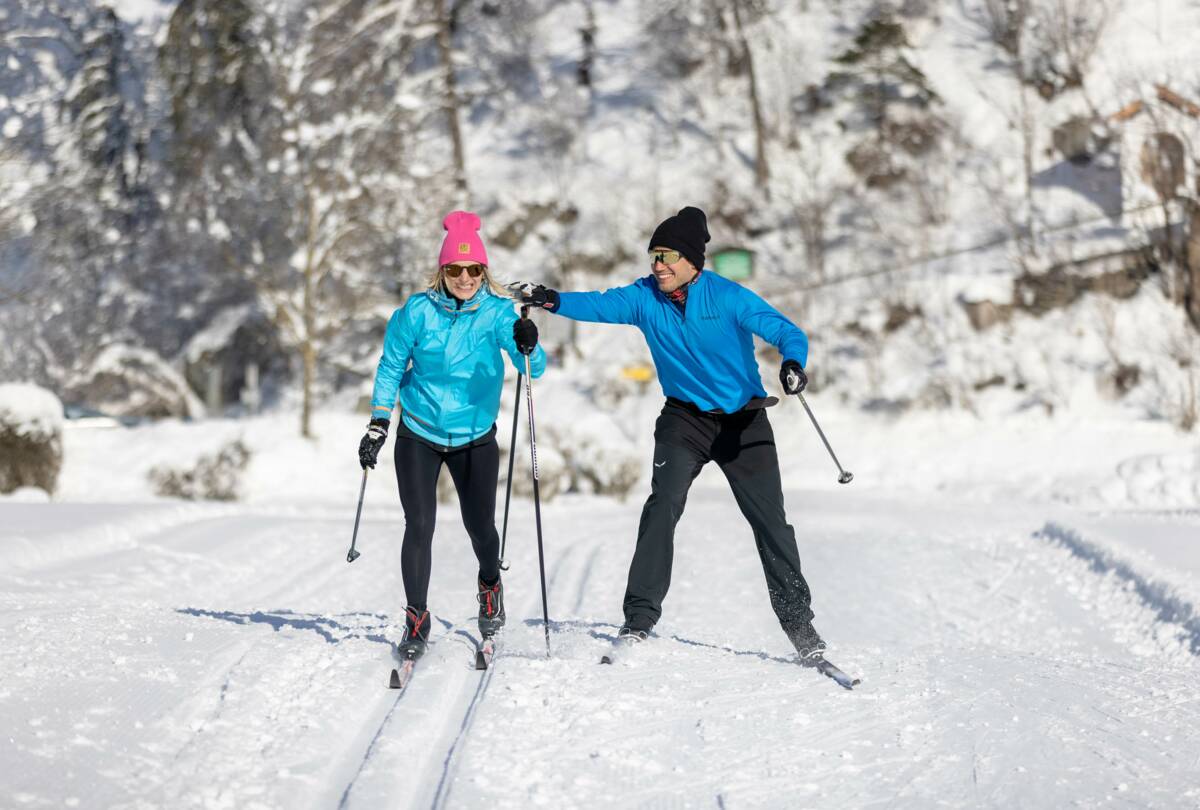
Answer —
(437, 280)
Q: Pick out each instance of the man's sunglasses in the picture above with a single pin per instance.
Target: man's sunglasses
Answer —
(664, 256)
(455, 270)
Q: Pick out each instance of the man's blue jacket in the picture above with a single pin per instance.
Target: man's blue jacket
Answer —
(704, 353)
(451, 393)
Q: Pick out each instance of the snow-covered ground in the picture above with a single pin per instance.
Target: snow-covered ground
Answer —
(1018, 597)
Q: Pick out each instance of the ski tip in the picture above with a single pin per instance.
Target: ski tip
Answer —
(394, 681)
(606, 659)
(480, 660)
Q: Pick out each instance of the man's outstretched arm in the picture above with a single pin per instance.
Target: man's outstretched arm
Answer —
(618, 305)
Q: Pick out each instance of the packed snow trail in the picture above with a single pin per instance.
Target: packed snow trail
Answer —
(228, 656)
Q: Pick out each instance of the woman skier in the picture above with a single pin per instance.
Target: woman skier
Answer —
(442, 353)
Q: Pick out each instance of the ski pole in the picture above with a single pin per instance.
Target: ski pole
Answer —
(537, 500)
(352, 555)
(845, 477)
(512, 456)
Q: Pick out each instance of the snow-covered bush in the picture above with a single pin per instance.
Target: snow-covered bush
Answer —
(129, 381)
(598, 457)
(213, 478)
(607, 468)
(552, 469)
(31, 420)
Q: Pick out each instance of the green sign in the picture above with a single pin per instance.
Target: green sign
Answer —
(735, 264)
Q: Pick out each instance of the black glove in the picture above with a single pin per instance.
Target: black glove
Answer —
(535, 295)
(525, 334)
(792, 375)
(368, 448)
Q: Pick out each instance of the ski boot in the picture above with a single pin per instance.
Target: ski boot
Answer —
(626, 637)
(416, 634)
(491, 608)
(631, 635)
(808, 643)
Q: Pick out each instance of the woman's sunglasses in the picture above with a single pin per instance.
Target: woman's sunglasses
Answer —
(664, 256)
(455, 270)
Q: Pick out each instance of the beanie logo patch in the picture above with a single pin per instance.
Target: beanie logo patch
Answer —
(464, 247)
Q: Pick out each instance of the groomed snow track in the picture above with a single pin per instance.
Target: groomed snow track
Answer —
(229, 657)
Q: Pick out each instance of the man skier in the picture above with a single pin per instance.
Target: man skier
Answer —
(699, 328)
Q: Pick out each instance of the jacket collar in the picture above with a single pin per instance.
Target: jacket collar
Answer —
(449, 303)
(686, 288)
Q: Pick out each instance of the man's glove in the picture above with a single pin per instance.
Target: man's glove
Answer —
(368, 448)
(525, 334)
(535, 295)
(792, 375)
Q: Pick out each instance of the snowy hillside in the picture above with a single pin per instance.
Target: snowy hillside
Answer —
(980, 205)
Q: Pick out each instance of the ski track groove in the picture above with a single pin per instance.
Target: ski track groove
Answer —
(371, 747)
(1168, 607)
(217, 709)
(587, 573)
(452, 759)
(451, 631)
(449, 764)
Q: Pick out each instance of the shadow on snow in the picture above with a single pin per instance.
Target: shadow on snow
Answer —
(597, 631)
(328, 628)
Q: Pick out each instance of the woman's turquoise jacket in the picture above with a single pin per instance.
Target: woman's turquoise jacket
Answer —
(443, 357)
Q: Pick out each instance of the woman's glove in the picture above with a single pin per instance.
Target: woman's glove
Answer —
(525, 334)
(368, 448)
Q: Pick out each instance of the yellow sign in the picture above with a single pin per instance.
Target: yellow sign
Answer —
(639, 373)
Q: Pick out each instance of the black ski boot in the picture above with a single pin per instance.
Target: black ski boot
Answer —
(808, 643)
(416, 634)
(491, 608)
(631, 635)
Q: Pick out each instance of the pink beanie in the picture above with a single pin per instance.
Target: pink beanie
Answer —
(462, 239)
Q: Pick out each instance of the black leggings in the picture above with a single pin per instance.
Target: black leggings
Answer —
(475, 470)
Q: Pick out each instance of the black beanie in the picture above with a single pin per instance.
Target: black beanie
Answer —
(686, 232)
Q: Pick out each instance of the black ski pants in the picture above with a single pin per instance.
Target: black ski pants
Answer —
(743, 445)
(475, 470)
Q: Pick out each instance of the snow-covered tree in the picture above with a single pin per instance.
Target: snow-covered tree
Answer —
(362, 176)
(85, 132)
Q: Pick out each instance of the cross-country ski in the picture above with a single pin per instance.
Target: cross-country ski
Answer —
(830, 670)
(402, 674)
(485, 653)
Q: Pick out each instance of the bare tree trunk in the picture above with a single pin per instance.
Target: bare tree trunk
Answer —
(1028, 127)
(1191, 266)
(308, 351)
(761, 170)
(309, 356)
(587, 62)
(450, 101)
